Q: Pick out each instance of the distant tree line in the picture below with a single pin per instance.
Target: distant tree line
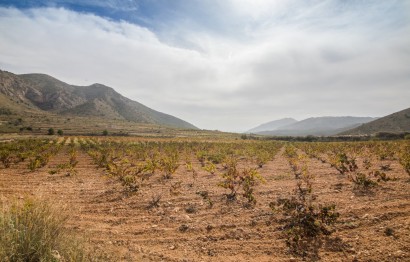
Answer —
(378, 136)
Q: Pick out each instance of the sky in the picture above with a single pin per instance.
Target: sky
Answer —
(225, 65)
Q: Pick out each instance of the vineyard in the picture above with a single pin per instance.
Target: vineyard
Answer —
(141, 199)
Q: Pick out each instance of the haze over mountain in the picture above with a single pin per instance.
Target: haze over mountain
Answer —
(319, 126)
(394, 123)
(41, 92)
(272, 125)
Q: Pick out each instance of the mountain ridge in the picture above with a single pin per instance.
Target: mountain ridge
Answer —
(397, 122)
(46, 93)
(319, 126)
(272, 125)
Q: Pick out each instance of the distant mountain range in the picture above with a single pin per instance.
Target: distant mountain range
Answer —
(272, 125)
(317, 126)
(398, 122)
(43, 93)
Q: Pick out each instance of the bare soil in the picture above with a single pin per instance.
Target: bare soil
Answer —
(373, 226)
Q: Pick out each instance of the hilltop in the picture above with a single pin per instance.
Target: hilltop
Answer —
(45, 96)
(398, 122)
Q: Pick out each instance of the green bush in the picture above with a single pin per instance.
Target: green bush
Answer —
(51, 131)
(34, 231)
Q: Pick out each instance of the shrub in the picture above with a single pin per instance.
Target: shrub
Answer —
(130, 183)
(249, 179)
(304, 221)
(60, 132)
(73, 157)
(6, 158)
(362, 181)
(50, 131)
(231, 179)
(342, 163)
(105, 133)
(210, 167)
(234, 180)
(262, 157)
(130, 176)
(34, 231)
(169, 164)
(201, 156)
(39, 161)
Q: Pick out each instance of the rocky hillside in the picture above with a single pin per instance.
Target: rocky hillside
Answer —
(398, 122)
(44, 93)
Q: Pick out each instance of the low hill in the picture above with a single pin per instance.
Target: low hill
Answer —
(398, 122)
(44, 93)
(272, 125)
(319, 126)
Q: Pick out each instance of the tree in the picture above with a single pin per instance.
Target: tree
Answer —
(60, 132)
(51, 131)
(105, 133)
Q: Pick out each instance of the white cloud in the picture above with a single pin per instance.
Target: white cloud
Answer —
(286, 64)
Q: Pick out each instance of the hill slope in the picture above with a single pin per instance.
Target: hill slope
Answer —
(44, 93)
(395, 123)
(272, 125)
(319, 126)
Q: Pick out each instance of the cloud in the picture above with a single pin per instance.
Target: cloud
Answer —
(280, 58)
(117, 5)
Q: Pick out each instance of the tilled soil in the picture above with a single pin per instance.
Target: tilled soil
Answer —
(373, 226)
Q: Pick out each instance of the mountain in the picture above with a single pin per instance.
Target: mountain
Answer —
(319, 126)
(398, 122)
(272, 125)
(41, 92)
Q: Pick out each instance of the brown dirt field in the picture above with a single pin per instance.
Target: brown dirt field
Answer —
(126, 230)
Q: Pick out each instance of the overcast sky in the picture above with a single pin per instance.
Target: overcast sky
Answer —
(221, 64)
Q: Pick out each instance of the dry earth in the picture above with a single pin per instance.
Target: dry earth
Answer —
(185, 228)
